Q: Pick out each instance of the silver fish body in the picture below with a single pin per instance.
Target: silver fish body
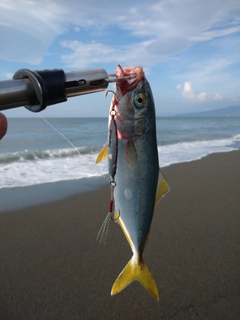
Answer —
(137, 164)
(139, 184)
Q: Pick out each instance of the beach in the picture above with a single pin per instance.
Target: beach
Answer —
(52, 267)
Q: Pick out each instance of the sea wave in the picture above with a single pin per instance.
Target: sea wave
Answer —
(25, 173)
(35, 155)
(236, 137)
(189, 151)
(30, 167)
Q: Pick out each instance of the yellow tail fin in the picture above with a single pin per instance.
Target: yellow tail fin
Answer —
(135, 270)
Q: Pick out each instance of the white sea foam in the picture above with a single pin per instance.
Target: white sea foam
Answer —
(189, 151)
(25, 173)
(36, 167)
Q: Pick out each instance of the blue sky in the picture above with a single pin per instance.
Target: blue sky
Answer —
(189, 49)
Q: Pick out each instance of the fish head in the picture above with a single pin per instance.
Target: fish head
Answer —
(134, 105)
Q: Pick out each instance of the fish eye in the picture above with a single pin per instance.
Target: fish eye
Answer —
(139, 100)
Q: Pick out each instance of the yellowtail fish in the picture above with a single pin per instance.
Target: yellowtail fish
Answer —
(136, 180)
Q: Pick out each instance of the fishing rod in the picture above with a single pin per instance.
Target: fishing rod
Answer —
(36, 90)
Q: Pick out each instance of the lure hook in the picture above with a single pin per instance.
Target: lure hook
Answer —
(111, 92)
(115, 219)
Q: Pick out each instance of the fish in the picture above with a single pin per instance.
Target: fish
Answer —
(136, 179)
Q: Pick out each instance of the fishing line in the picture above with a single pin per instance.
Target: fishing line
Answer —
(103, 232)
(74, 147)
(7, 76)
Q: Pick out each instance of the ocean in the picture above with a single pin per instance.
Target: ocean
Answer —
(33, 153)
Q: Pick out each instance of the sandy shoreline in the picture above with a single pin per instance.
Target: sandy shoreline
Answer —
(33, 195)
(53, 268)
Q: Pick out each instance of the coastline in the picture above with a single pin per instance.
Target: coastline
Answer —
(53, 268)
(37, 194)
(33, 195)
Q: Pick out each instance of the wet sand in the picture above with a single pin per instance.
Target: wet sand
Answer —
(53, 268)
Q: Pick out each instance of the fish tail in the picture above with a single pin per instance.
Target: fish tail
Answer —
(136, 270)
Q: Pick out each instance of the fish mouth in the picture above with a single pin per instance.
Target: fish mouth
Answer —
(135, 75)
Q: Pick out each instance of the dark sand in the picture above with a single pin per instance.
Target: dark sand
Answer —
(53, 268)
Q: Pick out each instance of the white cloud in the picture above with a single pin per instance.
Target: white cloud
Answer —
(84, 54)
(211, 75)
(209, 35)
(163, 28)
(76, 29)
(174, 18)
(168, 46)
(188, 93)
(202, 96)
(28, 28)
(187, 89)
(234, 97)
(168, 26)
(217, 96)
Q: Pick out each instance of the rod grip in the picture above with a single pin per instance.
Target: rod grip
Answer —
(48, 86)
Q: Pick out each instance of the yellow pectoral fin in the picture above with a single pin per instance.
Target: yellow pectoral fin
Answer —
(162, 188)
(103, 154)
(135, 271)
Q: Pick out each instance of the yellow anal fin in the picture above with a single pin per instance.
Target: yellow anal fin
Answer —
(120, 222)
(162, 188)
(103, 154)
(135, 271)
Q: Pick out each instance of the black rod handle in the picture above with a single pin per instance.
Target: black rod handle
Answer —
(38, 89)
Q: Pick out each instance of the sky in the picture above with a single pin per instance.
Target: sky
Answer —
(189, 49)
